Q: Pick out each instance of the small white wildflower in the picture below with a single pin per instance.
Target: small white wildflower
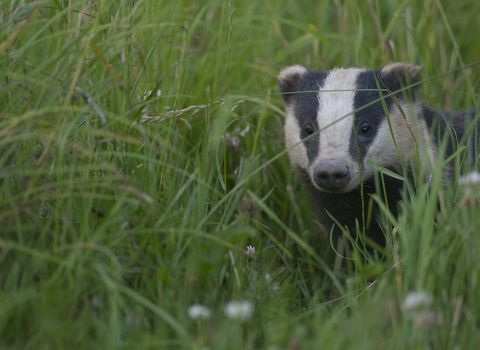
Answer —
(417, 300)
(198, 312)
(239, 310)
(472, 178)
(267, 276)
(250, 250)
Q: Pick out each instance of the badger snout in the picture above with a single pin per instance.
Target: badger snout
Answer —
(332, 175)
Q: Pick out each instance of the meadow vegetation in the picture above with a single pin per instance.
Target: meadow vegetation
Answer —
(141, 152)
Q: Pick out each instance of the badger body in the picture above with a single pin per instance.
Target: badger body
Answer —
(348, 127)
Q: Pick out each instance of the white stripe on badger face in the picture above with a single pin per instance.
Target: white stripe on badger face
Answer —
(410, 131)
(335, 139)
(382, 150)
(298, 154)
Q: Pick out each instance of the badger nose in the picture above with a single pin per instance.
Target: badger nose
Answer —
(331, 175)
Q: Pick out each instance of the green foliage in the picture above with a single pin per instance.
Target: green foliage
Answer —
(141, 152)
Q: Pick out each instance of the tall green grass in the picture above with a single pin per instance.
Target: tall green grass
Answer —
(141, 151)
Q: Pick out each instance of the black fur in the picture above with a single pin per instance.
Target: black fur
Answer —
(449, 127)
(347, 207)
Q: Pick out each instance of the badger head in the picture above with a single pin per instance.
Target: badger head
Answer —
(351, 129)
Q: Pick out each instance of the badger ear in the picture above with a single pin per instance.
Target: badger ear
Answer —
(289, 81)
(399, 75)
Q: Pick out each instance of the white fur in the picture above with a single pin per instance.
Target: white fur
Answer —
(289, 71)
(410, 68)
(298, 154)
(335, 107)
(408, 134)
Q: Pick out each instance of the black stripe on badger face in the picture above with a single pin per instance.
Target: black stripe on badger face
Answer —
(369, 118)
(305, 109)
(301, 112)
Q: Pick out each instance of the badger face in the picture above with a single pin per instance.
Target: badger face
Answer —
(334, 158)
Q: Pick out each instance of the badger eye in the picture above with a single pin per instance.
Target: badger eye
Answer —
(366, 129)
(309, 130)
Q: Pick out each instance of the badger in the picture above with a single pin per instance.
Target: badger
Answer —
(335, 121)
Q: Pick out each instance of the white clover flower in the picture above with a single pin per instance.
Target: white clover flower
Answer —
(199, 312)
(250, 250)
(417, 300)
(239, 310)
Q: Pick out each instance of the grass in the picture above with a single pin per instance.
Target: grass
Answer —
(141, 151)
